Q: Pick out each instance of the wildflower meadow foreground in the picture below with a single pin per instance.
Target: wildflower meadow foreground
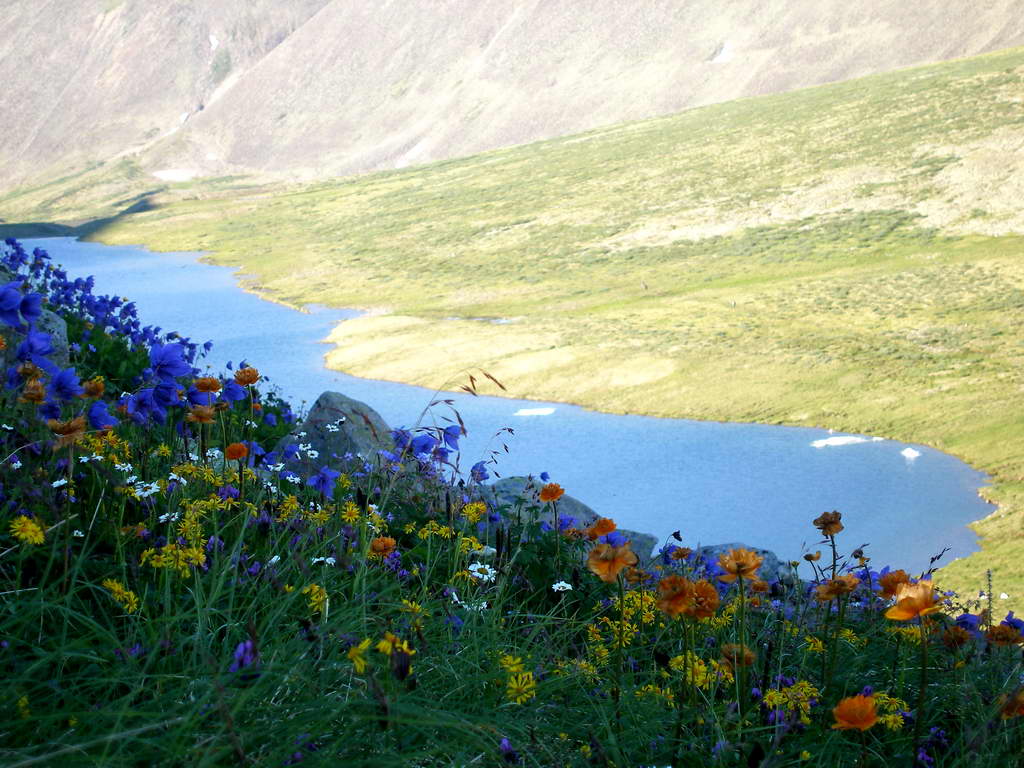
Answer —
(177, 591)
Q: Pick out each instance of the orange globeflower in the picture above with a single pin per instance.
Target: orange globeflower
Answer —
(739, 563)
(93, 388)
(913, 600)
(891, 581)
(955, 637)
(841, 585)
(705, 600)
(551, 492)
(828, 523)
(207, 384)
(606, 561)
(855, 712)
(1003, 634)
(676, 595)
(1012, 706)
(236, 451)
(33, 392)
(68, 432)
(200, 414)
(601, 527)
(737, 655)
(681, 553)
(382, 546)
(246, 376)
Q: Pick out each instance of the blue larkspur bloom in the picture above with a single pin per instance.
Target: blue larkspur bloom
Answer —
(232, 392)
(451, 435)
(423, 444)
(324, 480)
(168, 361)
(65, 385)
(478, 473)
(99, 417)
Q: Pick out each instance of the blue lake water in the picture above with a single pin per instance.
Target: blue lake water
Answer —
(714, 482)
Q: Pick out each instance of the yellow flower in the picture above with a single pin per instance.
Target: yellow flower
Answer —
(511, 664)
(24, 712)
(27, 530)
(392, 643)
(125, 597)
(521, 688)
(317, 597)
(351, 513)
(408, 606)
(814, 644)
(474, 511)
(357, 655)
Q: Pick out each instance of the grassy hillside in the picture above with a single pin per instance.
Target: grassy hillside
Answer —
(846, 256)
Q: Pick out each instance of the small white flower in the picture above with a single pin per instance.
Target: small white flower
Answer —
(328, 560)
(78, 533)
(168, 517)
(123, 467)
(145, 490)
(305, 446)
(1003, 596)
(484, 551)
(212, 453)
(178, 478)
(59, 483)
(193, 456)
(331, 427)
(8, 427)
(15, 464)
(293, 479)
(561, 586)
(341, 420)
(302, 434)
(276, 467)
(482, 572)
(251, 423)
(130, 479)
(312, 454)
(274, 560)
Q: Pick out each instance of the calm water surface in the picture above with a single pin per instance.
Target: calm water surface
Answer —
(714, 482)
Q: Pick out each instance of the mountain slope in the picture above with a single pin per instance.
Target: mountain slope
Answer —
(325, 87)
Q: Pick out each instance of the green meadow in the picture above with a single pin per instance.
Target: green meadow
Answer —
(845, 256)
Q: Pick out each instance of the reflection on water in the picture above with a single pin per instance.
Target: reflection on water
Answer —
(715, 482)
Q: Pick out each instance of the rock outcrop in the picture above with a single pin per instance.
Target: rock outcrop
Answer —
(336, 425)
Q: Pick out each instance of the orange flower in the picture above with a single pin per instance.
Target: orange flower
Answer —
(737, 655)
(828, 523)
(955, 637)
(200, 414)
(705, 600)
(93, 388)
(1012, 706)
(759, 585)
(33, 392)
(676, 595)
(913, 600)
(891, 581)
(207, 384)
(382, 546)
(841, 585)
(739, 563)
(68, 432)
(246, 376)
(3, 343)
(813, 558)
(681, 553)
(1003, 634)
(855, 712)
(601, 527)
(236, 451)
(606, 561)
(551, 492)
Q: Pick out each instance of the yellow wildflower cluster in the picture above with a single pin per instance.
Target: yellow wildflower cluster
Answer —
(577, 666)
(108, 445)
(173, 556)
(391, 643)
(638, 603)
(27, 530)
(511, 664)
(318, 515)
(474, 511)
(795, 699)
(190, 525)
(814, 644)
(317, 597)
(700, 673)
(289, 506)
(620, 632)
(654, 692)
(433, 528)
(125, 597)
(852, 637)
(724, 617)
(468, 543)
(889, 710)
(909, 634)
(791, 629)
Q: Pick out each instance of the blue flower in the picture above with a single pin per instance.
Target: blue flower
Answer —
(270, 419)
(423, 444)
(65, 385)
(99, 417)
(451, 435)
(232, 392)
(323, 481)
(168, 361)
(478, 473)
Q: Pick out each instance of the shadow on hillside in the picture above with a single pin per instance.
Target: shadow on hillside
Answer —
(137, 204)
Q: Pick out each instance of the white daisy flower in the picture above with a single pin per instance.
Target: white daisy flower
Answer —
(482, 572)
(561, 586)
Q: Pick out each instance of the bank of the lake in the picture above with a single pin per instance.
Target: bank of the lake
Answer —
(714, 482)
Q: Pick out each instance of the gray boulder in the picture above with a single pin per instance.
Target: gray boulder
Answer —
(522, 493)
(336, 425)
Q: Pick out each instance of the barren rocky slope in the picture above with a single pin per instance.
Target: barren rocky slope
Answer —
(313, 88)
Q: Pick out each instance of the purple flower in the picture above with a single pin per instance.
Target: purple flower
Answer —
(99, 417)
(323, 481)
(65, 385)
(451, 435)
(478, 473)
(246, 656)
(168, 361)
